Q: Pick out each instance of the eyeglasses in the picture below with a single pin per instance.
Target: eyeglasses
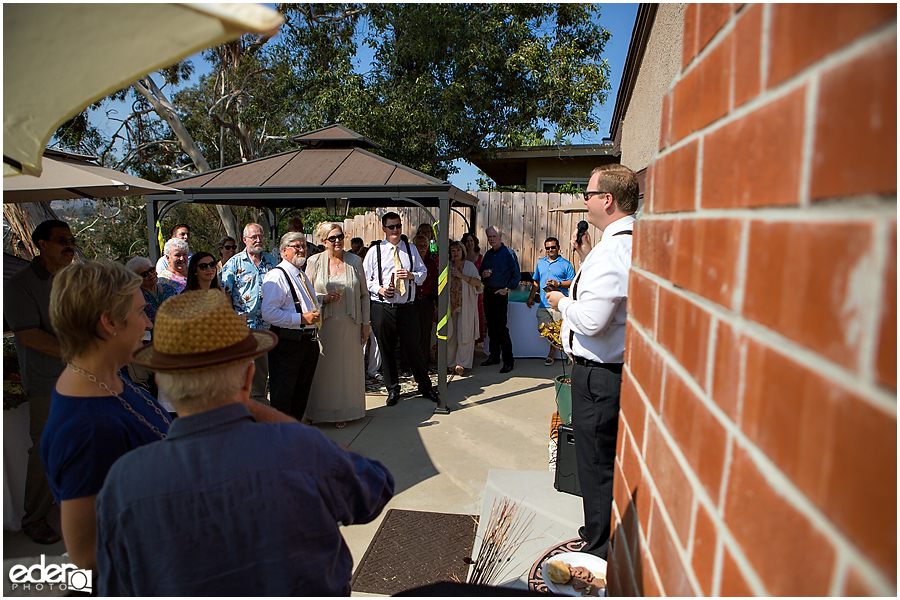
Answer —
(549, 248)
(147, 273)
(296, 247)
(392, 227)
(255, 236)
(229, 247)
(334, 238)
(204, 266)
(66, 241)
(587, 194)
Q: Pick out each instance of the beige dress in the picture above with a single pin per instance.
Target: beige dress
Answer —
(338, 390)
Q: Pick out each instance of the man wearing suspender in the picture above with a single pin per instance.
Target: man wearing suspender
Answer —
(290, 306)
(593, 333)
(393, 307)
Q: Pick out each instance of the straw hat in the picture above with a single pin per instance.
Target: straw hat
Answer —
(198, 330)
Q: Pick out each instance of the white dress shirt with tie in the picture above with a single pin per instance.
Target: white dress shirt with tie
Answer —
(413, 264)
(278, 303)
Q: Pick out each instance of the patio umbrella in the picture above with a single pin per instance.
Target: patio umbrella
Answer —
(59, 58)
(67, 177)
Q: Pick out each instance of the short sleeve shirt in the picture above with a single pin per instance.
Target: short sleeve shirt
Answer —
(242, 281)
(26, 305)
(558, 270)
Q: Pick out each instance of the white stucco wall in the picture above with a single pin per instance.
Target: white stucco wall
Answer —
(661, 63)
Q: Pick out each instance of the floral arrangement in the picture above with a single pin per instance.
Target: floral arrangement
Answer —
(552, 332)
(13, 392)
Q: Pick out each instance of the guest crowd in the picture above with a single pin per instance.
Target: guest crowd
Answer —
(111, 354)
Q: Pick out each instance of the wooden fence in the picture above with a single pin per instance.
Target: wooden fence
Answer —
(524, 218)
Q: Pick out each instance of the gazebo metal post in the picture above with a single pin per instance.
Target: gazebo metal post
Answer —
(443, 300)
(152, 234)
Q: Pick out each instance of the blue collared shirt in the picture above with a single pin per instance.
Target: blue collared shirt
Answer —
(558, 270)
(242, 281)
(226, 506)
(504, 268)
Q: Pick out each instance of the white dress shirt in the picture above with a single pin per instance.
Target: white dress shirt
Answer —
(413, 264)
(278, 303)
(597, 314)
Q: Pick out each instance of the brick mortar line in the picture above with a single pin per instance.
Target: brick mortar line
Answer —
(718, 564)
(850, 52)
(780, 483)
(839, 578)
(743, 258)
(765, 38)
(841, 209)
(698, 177)
(869, 390)
(807, 146)
(698, 489)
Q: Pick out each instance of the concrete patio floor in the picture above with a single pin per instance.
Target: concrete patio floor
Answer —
(440, 462)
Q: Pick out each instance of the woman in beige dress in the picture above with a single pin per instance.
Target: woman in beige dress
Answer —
(338, 391)
(465, 286)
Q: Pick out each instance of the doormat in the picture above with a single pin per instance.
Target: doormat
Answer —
(413, 548)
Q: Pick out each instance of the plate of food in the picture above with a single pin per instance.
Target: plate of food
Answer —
(575, 574)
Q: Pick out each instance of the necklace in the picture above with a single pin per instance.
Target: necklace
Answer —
(127, 406)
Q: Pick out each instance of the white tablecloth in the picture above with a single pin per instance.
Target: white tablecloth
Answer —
(16, 443)
(523, 331)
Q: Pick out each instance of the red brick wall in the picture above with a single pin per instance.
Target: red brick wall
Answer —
(758, 431)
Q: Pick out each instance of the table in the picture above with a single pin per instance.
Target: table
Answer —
(523, 331)
(16, 442)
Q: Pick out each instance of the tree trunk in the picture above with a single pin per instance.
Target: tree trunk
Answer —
(165, 110)
(22, 219)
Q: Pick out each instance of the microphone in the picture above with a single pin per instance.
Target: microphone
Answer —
(582, 229)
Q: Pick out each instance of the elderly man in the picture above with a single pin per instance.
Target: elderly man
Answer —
(593, 333)
(181, 232)
(393, 270)
(291, 308)
(555, 271)
(177, 252)
(499, 274)
(228, 505)
(242, 278)
(26, 307)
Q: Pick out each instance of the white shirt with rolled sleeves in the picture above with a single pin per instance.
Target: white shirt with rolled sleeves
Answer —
(412, 264)
(278, 303)
(597, 315)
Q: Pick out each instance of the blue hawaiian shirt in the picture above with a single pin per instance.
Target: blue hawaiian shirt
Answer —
(242, 281)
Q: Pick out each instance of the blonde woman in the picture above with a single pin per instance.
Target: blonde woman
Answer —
(338, 391)
(465, 287)
(96, 414)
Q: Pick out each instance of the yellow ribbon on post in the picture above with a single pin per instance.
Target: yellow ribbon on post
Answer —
(159, 236)
(442, 282)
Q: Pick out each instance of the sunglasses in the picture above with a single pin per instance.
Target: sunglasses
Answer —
(587, 195)
(66, 241)
(205, 266)
(392, 227)
(147, 273)
(548, 248)
(334, 238)
(229, 247)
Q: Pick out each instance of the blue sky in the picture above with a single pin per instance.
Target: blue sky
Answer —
(617, 18)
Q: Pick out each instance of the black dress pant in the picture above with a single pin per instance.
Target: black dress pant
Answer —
(495, 307)
(393, 321)
(292, 364)
(595, 423)
(426, 305)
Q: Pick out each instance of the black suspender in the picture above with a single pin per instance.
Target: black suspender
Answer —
(297, 306)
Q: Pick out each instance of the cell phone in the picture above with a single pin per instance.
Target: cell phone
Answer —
(550, 288)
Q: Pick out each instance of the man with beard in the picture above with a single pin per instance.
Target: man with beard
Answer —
(26, 298)
(291, 308)
(242, 278)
